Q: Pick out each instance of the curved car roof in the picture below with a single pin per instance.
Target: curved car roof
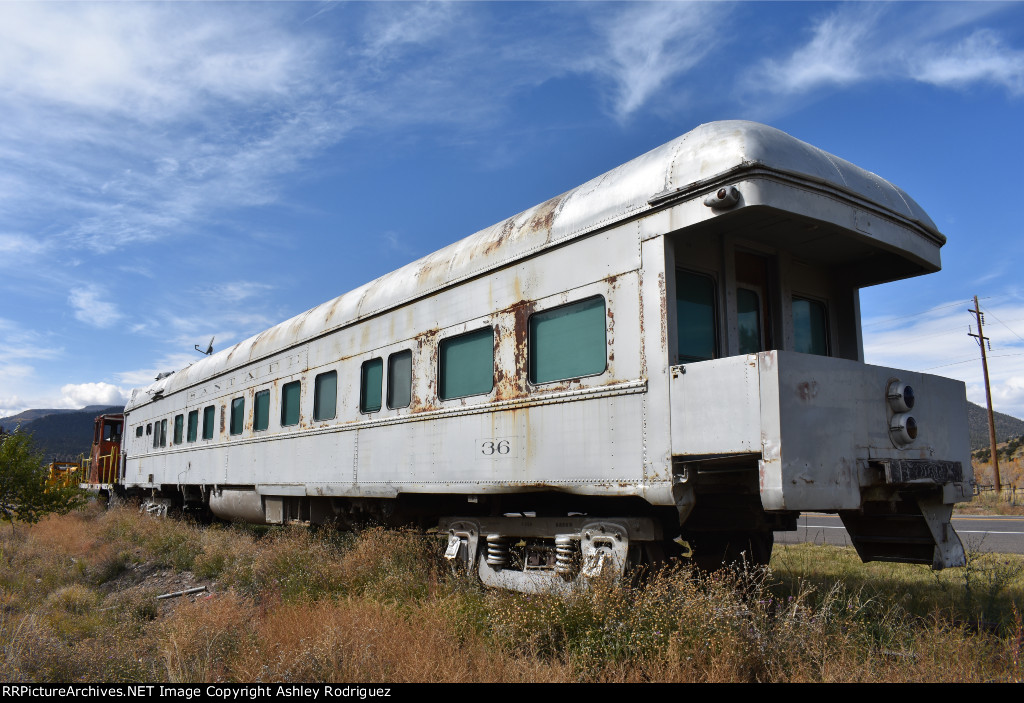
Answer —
(700, 156)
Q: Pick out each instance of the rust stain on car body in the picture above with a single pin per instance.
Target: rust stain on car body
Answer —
(807, 390)
(613, 284)
(498, 239)
(664, 312)
(544, 216)
(428, 369)
(432, 271)
(511, 383)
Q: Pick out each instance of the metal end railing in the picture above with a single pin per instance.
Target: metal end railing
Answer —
(107, 466)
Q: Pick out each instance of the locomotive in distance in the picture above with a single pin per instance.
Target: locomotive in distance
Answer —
(669, 353)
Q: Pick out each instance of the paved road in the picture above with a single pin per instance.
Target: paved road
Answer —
(983, 533)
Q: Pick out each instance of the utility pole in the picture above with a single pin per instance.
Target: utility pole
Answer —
(982, 340)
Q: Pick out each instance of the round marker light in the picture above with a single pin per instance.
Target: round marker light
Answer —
(723, 198)
(900, 396)
(903, 428)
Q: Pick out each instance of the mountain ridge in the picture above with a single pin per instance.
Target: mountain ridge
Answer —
(60, 434)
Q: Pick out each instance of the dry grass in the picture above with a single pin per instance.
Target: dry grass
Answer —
(991, 503)
(77, 603)
(364, 640)
(1010, 501)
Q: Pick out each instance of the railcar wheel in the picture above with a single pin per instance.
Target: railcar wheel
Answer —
(660, 552)
(713, 550)
(649, 558)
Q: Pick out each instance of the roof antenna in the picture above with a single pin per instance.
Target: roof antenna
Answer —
(209, 348)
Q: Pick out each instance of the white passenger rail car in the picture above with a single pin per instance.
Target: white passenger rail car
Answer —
(671, 350)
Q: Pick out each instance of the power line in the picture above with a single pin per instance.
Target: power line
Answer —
(1020, 319)
(940, 333)
(872, 337)
(1005, 325)
(965, 361)
(917, 314)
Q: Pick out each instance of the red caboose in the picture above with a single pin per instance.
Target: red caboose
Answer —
(105, 455)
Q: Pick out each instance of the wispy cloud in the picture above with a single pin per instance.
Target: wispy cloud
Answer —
(835, 55)
(116, 101)
(983, 57)
(143, 377)
(233, 291)
(649, 45)
(19, 249)
(229, 324)
(177, 181)
(144, 62)
(91, 308)
(16, 343)
(395, 27)
(9, 372)
(229, 312)
(864, 41)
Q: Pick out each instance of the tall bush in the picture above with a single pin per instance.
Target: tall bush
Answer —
(24, 493)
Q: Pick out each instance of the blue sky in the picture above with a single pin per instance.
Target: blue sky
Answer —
(170, 172)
